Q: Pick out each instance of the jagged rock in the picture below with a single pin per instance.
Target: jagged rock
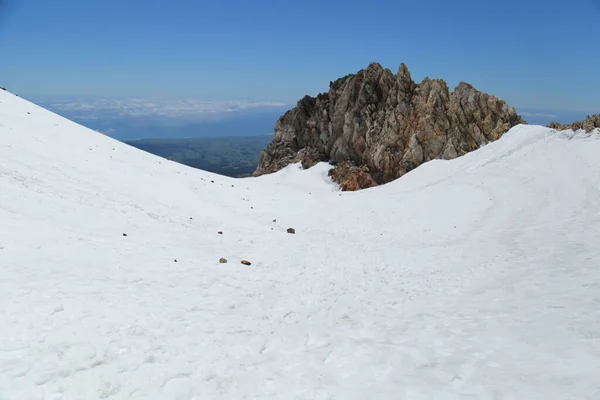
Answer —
(589, 124)
(352, 178)
(223, 260)
(387, 123)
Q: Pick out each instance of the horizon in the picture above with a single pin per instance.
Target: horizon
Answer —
(134, 119)
(256, 61)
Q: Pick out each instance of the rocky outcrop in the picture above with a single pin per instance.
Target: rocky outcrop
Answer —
(386, 123)
(589, 124)
(351, 178)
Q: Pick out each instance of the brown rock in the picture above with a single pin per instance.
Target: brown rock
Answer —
(386, 123)
(589, 124)
(246, 262)
(351, 178)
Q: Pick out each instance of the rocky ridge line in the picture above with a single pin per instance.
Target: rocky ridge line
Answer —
(383, 125)
(589, 124)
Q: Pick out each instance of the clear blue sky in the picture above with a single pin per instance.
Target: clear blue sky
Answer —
(532, 53)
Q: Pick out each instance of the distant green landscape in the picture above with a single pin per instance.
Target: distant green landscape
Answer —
(235, 156)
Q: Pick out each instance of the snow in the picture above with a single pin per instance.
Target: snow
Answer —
(476, 278)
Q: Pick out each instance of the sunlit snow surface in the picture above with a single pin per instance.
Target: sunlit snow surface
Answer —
(477, 278)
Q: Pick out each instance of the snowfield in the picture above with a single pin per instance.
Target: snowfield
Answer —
(476, 278)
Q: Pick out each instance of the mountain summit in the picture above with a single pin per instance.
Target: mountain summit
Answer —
(387, 124)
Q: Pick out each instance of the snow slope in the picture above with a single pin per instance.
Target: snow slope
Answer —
(477, 278)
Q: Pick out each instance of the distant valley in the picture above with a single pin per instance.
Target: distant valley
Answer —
(235, 156)
(221, 137)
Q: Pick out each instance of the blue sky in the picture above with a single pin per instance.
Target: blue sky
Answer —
(532, 53)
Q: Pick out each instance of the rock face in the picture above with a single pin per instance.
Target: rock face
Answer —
(385, 124)
(589, 124)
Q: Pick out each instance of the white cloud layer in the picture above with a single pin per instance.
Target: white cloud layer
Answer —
(534, 114)
(91, 109)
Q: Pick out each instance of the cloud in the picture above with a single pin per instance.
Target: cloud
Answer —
(542, 115)
(142, 108)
